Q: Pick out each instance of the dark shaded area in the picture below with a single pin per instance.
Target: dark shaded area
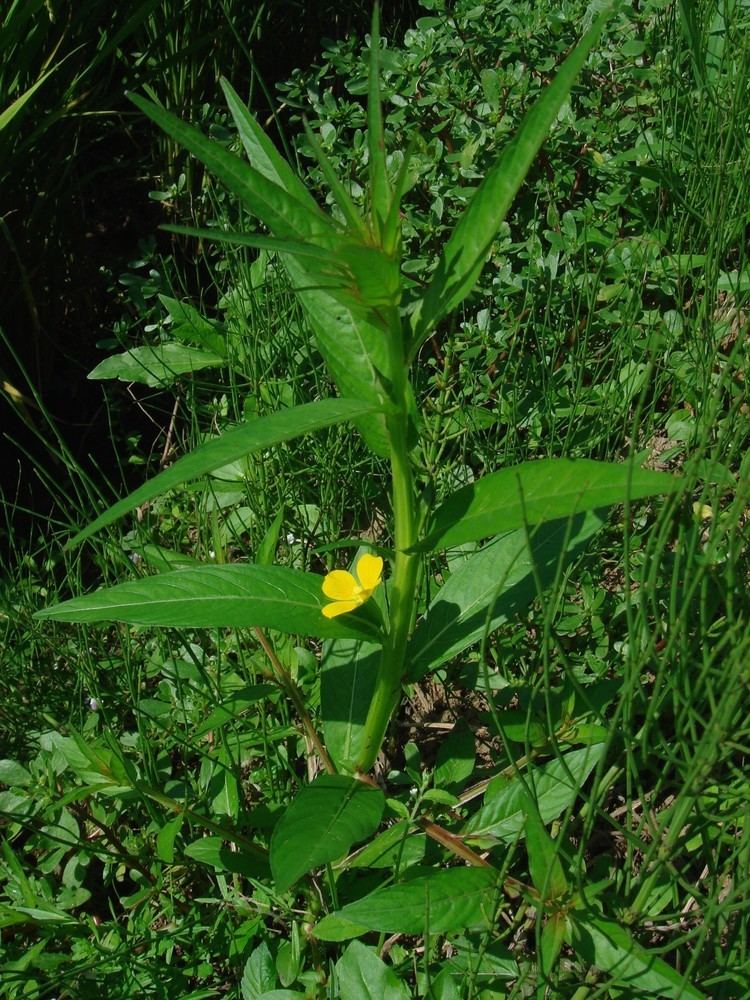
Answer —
(75, 205)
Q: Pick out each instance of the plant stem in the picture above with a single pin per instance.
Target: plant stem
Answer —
(403, 582)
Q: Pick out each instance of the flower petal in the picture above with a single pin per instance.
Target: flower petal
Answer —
(369, 569)
(339, 608)
(340, 585)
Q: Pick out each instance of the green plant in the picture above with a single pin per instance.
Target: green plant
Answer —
(370, 323)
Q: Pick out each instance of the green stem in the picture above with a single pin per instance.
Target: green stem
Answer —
(403, 582)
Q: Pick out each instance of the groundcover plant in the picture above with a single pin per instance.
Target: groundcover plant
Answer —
(392, 883)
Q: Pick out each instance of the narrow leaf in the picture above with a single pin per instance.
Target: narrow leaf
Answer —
(438, 903)
(233, 444)
(379, 187)
(545, 867)
(212, 851)
(285, 214)
(467, 249)
(611, 948)
(353, 349)
(348, 209)
(535, 492)
(237, 596)
(321, 824)
(494, 584)
(261, 152)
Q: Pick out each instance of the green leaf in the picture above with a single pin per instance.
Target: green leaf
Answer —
(347, 681)
(555, 787)
(456, 757)
(353, 348)
(355, 352)
(491, 586)
(321, 824)
(345, 203)
(269, 542)
(289, 216)
(212, 851)
(156, 366)
(166, 837)
(362, 975)
(13, 773)
(380, 194)
(7, 116)
(535, 492)
(235, 443)
(438, 903)
(259, 975)
(232, 707)
(553, 938)
(545, 867)
(611, 948)
(261, 152)
(469, 246)
(188, 324)
(237, 596)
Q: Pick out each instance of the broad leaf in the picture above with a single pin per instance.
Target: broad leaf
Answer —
(535, 492)
(554, 786)
(156, 366)
(321, 824)
(611, 948)
(363, 975)
(347, 682)
(237, 596)
(467, 249)
(444, 901)
(491, 586)
(189, 325)
(212, 851)
(259, 975)
(235, 443)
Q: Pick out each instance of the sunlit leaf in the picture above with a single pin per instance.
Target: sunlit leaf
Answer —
(535, 492)
(235, 596)
(321, 824)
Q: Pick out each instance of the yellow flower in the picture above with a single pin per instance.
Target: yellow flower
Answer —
(348, 591)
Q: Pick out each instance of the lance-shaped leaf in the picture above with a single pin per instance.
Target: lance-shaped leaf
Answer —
(492, 585)
(321, 824)
(467, 249)
(235, 443)
(287, 215)
(261, 152)
(233, 596)
(612, 949)
(555, 787)
(156, 366)
(347, 681)
(353, 347)
(535, 492)
(355, 352)
(438, 903)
